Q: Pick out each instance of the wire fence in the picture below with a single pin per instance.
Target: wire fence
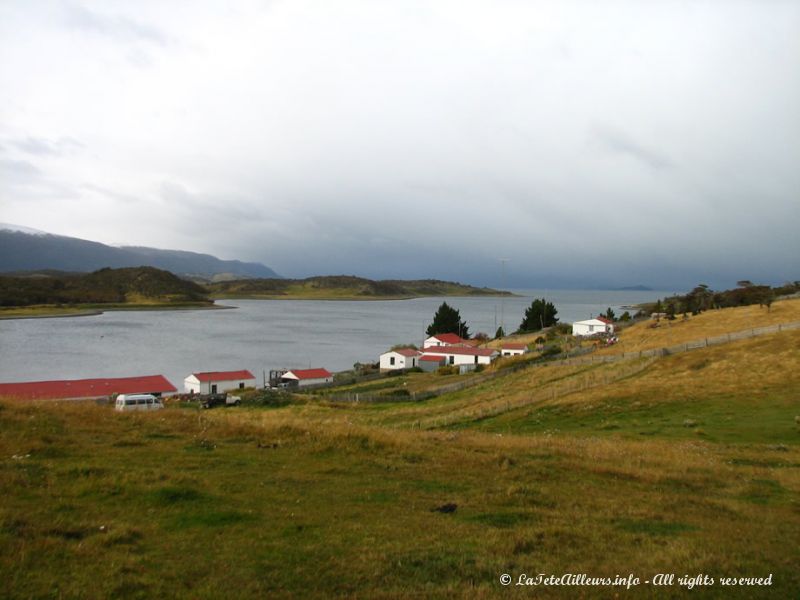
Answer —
(575, 357)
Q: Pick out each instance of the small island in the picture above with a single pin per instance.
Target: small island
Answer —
(344, 287)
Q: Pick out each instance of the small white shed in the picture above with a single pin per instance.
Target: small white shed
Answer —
(463, 355)
(513, 349)
(444, 339)
(401, 358)
(306, 377)
(592, 327)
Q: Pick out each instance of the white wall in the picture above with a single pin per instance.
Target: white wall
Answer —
(400, 361)
(192, 385)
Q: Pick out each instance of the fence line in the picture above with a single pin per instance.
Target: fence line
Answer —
(576, 358)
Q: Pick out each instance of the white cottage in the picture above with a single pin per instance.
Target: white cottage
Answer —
(306, 377)
(513, 349)
(463, 355)
(444, 339)
(592, 327)
(401, 358)
(213, 382)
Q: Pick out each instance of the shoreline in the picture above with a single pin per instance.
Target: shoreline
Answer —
(94, 312)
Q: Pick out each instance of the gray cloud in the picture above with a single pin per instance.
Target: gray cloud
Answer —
(417, 139)
(622, 143)
(116, 26)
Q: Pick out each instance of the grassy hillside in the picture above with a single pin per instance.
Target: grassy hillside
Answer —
(683, 464)
(139, 285)
(343, 287)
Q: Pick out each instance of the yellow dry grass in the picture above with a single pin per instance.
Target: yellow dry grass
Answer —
(642, 336)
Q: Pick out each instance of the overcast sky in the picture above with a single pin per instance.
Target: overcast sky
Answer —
(591, 143)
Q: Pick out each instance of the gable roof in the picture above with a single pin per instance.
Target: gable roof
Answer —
(465, 350)
(87, 388)
(448, 338)
(604, 320)
(309, 373)
(405, 352)
(223, 375)
(515, 346)
(593, 322)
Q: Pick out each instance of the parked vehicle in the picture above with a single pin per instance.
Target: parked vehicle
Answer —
(128, 402)
(212, 400)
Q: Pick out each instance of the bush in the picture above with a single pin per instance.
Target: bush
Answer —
(414, 370)
(551, 351)
(447, 370)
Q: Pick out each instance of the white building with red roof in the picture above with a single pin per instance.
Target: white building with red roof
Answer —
(513, 349)
(306, 377)
(215, 382)
(400, 358)
(444, 339)
(592, 327)
(463, 355)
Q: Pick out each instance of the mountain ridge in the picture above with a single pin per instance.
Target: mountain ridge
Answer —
(23, 250)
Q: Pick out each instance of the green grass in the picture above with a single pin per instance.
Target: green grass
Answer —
(677, 468)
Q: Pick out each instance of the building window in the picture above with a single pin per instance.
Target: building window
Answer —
(241, 385)
(391, 360)
(452, 359)
(214, 389)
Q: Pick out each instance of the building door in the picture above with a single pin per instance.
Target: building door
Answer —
(214, 388)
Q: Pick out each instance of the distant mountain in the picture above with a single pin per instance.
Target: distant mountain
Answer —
(24, 249)
(634, 288)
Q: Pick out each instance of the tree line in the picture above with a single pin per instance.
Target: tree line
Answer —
(538, 315)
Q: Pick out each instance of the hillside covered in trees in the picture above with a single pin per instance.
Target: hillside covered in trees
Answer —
(136, 285)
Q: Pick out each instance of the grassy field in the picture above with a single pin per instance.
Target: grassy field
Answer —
(687, 464)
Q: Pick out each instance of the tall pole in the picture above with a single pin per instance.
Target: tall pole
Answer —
(503, 262)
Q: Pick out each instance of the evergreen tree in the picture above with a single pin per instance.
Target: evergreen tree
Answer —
(538, 315)
(499, 333)
(609, 314)
(448, 320)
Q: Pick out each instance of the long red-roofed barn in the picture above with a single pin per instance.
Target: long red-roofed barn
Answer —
(87, 389)
(306, 377)
(213, 382)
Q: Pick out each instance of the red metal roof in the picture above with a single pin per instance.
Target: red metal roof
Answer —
(87, 388)
(224, 375)
(460, 350)
(406, 351)
(429, 358)
(515, 346)
(604, 320)
(309, 373)
(449, 338)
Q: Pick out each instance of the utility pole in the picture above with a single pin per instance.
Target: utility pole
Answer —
(503, 262)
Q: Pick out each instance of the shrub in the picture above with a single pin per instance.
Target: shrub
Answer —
(447, 370)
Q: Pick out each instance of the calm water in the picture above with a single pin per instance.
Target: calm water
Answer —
(258, 335)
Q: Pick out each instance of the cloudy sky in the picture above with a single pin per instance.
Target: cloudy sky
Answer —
(590, 143)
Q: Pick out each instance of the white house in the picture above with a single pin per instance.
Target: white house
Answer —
(592, 327)
(443, 339)
(513, 349)
(463, 355)
(214, 382)
(305, 377)
(401, 358)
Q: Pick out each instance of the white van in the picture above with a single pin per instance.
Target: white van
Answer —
(127, 402)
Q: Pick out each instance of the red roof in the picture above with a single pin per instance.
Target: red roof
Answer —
(87, 388)
(604, 320)
(449, 338)
(460, 350)
(515, 346)
(406, 351)
(223, 375)
(429, 358)
(309, 373)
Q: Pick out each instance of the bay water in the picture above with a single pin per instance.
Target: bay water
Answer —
(260, 335)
